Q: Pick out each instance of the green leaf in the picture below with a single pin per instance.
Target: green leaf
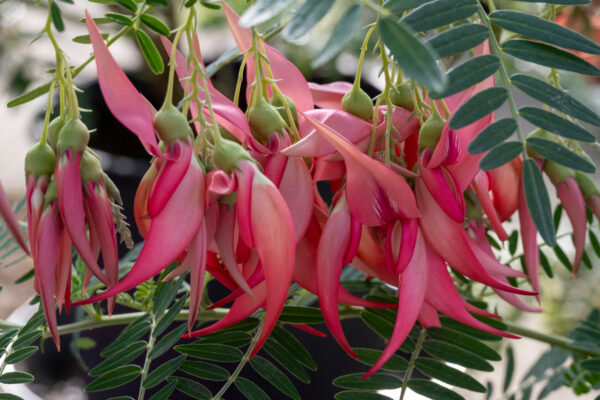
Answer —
(545, 264)
(432, 390)
(192, 388)
(555, 124)
(399, 6)
(85, 39)
(204, 370)
(166, 292)
(510, 367)
(8, 396)
(6, 336)
(10, 378)
(120, 19)
(595, 243)
(246, 325)
(350, 395)
(293, 346)
(478, 106)
(34, 322)
(262, 11)
(85, 343)
(273, 375)
(307, 16)
(162, 372)
(129, 335)
(25, 339)
(150, 52)
(166, 320)
(560, 154)
(538, 201)
(554, 97)
(464, 341)
(167, 342)
(380, 325)
(127, 354)
(459, 39)
(301, 315)
(500, 155)
(343, 32)
(212, 352)
(444, 373)
(129, 4)
(370, 356)
(282, 356)
(468, 74)
(250, 390)
(454, 354)
(160, 3)
(155, 24)
(27, 276)
(565, 2)
(165, 391)
(512, 242)
(235, 339)
(562, 257)
(27, 97)
(21, 354)
(115, 378)
(56, 16)
(492, 135)
(543, 30)
(416, 58)
(592, 364)
(377, 381)
(439, 12)
(548, 56)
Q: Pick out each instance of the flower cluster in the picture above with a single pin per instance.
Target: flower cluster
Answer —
(234, 194)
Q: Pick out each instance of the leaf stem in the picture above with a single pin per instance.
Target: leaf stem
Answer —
(147, 360)
(411, 363)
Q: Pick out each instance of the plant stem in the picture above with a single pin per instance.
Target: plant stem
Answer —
(411, 363)
(147, 361)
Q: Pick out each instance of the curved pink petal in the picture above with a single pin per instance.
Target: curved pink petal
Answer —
(309, 329)
(122, 98)
(502, 184)
(296, 187)
(36, 188)
(196, 259)
(410, 229)
(529, 241)
(9, 217)
(443, 188)
(255, 278)
(480, 186)
(574, 204)
(514, 300)
(428, 317)
(63, 271)
(243, 202)
(329, 95)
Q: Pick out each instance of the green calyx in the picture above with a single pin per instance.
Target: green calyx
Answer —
(227, 154)
(537, 133)
(431, 131)
(111, 189)
(90, 168)
(74, 135)
(358, 102)
(401, 96)
(40, 160)
(51, 194)
(265, 119)
(54, 128)
(280, 102)
(587, 185)
(171, 124)
(557, 173)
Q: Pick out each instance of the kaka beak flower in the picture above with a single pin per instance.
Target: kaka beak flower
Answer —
(502, 185)
(9, 217)
(590, 192)
(481, 187)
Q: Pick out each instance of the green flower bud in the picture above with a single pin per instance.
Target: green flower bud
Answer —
(358, 102)
(90, 168)
(40, 160)
(54, 128)
(401, 96)
(556, 172)
(74, 136)
(279, 102)
(586, 184)
(265, 119)
(537, 133)
(51, 194)
(430, 132)
(227, 154)
(171, 124)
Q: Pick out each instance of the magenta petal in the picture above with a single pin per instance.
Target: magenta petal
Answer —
(329, 95)
(410, 230)
(296, 187)
(70, 202)
(514, 300)
(411, 294)
(197, 262)
(122, 98)
(574, 204)
(481, 188)
(529, 241)
(63, 271)
(257, 277)
(243, 202)
(443, 188)
(9, 217)
(428, 317)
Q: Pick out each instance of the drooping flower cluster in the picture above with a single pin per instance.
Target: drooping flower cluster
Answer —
(237, 197)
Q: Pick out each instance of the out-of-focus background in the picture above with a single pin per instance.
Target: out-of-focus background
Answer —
(24, 64)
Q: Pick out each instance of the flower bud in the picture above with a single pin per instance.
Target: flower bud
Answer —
(51, 194)
(537, 133)
(171, 124)
(401, 96)
(227, 154)
(40, 160)
(73, 136)
(430, 132)
(54, 128)
(90, 168)
(279, 102)
(586, 184)
(358, 102)
(556, 172)
(265, 119)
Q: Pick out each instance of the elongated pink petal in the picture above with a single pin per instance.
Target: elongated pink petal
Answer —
(170, 233)
(480, 186)
(257, 277)
(331, 253)
(329, 95)
(309, 329)
(443, 188)
(48, 243)
(411, 295)
(35, 203)
(594, 205)
(243, 204)
(514, 300)
(296, 187)
(502, 184)
(63, 270)
(70, 202)
(376, 195)
(574, 204)
(428, 317)
(197, 260)
(290, 80)
(122, 98)
(9, 217)
(438, 227)
(529, 241)
(370, 253)
(478, 311)
(410, 230)
(169, 177)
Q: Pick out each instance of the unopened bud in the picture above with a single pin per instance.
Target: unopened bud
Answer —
(264, 119)
(40, 160)
(358, 102)
(431, 131)
(74, 136)
(401, 96)
(227, 154)
(171, 124)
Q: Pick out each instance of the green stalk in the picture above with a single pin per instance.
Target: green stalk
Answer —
(411, 363)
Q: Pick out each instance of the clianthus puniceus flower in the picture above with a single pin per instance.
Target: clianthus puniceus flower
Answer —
(236, 196)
